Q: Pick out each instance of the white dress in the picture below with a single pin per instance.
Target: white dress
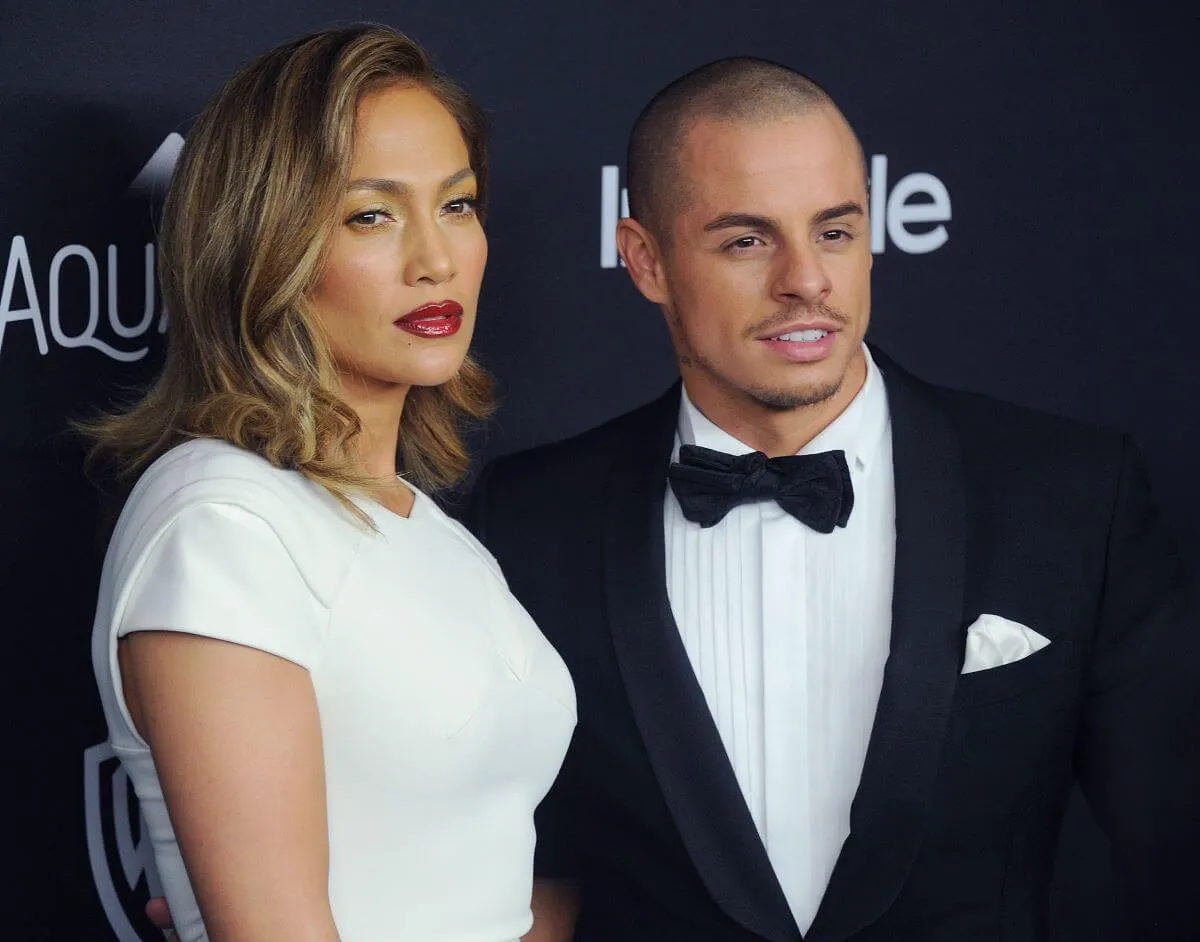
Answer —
(444, 713)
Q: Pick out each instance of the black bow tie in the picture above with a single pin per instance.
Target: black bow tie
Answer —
(815, 489)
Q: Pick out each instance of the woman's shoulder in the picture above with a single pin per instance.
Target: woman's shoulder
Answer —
(211, 471)
(209, 460)
(315, 529)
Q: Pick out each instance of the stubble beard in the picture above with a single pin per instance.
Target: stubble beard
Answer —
(772, 399)
(788, 400)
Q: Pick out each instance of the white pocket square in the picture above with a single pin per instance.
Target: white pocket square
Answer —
(993, 641)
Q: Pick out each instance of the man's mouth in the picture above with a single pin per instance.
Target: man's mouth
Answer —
(809, 335)
(803, 344)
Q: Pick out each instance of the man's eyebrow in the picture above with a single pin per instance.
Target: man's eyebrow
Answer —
(848, 208)
(742, 221)
(769, 224)
(398, 189)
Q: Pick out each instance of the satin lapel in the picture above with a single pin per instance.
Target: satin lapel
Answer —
(672, 716)
(890, 807)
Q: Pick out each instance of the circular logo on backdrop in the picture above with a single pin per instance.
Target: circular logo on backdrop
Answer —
(119, 848)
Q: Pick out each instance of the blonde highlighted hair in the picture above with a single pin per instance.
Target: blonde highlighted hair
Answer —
(247, 217)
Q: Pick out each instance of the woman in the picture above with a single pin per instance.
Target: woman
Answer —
(336, 717)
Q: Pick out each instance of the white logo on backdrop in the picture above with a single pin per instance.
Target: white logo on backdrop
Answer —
(918, 198)
(21, 266)
(21, 303)
(121, 856)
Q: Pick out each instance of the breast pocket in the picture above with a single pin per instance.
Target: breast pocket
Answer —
(1051, 673)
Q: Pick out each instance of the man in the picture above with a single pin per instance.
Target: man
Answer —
(842, 696)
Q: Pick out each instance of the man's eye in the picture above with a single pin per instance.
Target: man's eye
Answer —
(745, 242)
(837, 235)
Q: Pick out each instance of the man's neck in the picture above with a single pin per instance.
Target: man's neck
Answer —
(774, 432)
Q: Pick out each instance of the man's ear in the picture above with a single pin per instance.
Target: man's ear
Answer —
(642, 256)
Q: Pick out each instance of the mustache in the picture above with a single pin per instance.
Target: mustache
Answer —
(798, 312)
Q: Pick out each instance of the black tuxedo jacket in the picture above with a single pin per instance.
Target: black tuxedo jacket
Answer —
(954, 824)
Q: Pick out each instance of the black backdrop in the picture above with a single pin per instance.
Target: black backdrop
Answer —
(1054, 141)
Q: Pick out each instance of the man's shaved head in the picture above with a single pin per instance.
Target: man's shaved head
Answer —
(736, 89)
(750, 229)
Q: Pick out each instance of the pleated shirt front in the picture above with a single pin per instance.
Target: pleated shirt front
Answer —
(788, 631)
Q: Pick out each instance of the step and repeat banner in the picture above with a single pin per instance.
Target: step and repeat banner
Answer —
(1034, 226)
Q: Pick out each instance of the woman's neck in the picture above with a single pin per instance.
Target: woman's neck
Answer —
(379, 407)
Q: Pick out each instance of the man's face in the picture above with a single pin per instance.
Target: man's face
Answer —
(765, 272)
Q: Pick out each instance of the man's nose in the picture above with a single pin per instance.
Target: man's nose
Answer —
(802, 275)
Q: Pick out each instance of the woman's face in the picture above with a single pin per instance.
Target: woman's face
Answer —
(399, 290)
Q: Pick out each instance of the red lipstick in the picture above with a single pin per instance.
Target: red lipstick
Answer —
(439, 319)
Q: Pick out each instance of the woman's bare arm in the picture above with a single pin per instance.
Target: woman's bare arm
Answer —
(236, 741)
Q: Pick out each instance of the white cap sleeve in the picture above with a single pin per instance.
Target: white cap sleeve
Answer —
(220, 571)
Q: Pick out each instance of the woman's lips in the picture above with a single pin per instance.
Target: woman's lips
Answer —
(441, 319)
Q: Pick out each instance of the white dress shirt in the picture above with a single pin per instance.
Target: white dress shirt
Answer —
(788, 631)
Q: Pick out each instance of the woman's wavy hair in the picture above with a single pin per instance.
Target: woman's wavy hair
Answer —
(247, 218)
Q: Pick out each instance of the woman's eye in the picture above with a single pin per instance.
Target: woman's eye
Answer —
(463, 206)
(367, 219)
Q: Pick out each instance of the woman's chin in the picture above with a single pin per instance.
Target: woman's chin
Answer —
(435, 368)
(384, 379)
(433, 376)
